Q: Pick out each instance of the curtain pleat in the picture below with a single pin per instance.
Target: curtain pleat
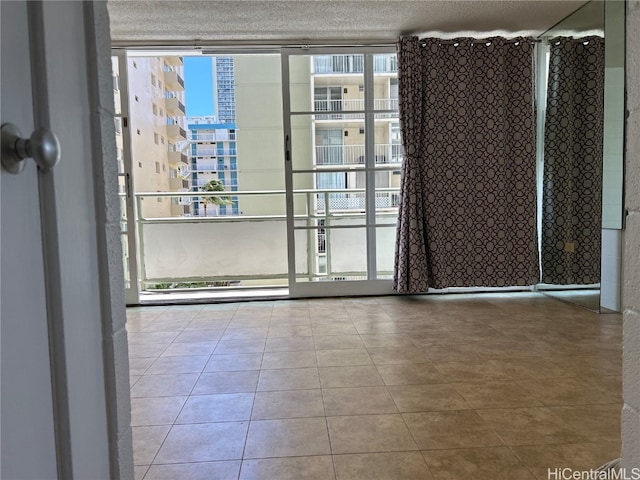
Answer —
(467, 212)
(573, 153)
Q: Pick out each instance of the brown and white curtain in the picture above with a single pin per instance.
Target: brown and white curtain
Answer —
(468, 193)
(572, 172)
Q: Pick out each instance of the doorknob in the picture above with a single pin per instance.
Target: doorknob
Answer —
(43, 146)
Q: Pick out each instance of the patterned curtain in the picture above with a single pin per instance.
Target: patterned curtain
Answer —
(468, 193)
(572, 178)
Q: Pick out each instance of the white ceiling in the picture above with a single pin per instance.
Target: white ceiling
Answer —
(332, 21)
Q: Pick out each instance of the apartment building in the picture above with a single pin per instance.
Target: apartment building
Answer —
(213, 156)
(158, 136)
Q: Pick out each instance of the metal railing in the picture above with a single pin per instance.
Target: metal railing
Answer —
(328, 64)
(225, 248)
(354, 154)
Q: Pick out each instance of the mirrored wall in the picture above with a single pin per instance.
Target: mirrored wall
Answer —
(580, 145)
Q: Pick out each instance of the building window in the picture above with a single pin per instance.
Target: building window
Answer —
(135, 65)
(157, 167)
(155, 138)
(164, 167)
(153, 80)
(136, 98)
(161, 112)
(140, 164)
(361, 88)
(155, 109)
(361, 131)
(162, 140)
(138, 130)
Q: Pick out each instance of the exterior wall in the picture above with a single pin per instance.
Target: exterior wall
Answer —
(631, 293)
(150, 138)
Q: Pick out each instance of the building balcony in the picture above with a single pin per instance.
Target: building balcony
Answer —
(173, 81)
(390, 153)
(176, 133)
(177, 184)
(177, 158)
(175, 107)
(174, 61)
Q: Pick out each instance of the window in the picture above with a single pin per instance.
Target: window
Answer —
(161, 112)
(135, 65)
(138, 131)
(361, 131)
(157, 167)
(164, 167)
(139, 164)
(162, 140)
(155, 109)
(136, 98)
(327, 99)
(153, 80)
(155, 138)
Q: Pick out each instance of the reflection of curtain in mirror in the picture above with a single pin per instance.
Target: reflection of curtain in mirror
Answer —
(467, 213)
(572, 178)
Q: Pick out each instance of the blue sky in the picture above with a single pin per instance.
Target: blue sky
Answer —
(198, 86)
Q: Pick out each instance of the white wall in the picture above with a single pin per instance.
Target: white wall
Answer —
(631, 295)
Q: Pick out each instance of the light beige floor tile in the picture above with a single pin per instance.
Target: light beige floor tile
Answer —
(387, 340)
(529, 368)
(334, 328)
(195, 471)
(275, 360)
(234, 362)
(146, 350)
(202, 323)
(164, 385)
(382, 466)
(259, 333)
(198, 336)
(569, 391)
(189, 349)
(289, 344)
(410, 374)
(369, 434)
(288, 404)
(289, 379)
(139, 471)
(169, 365)
(279, 329)
(343, 358)
(530, 426)
(231, 347)
(155, 410)
(596, 422)
(397, 355)
(248, 321)
(357, 401)
(287, 438)
(577, 456)
(337, 342)
(496, 395)
(353, 376)
(469, 371)
(147, 442)
(138, 366)
(376, 327)
(223, 407)
(204, 442)
(227, 382)
(291, 468)
(493, 463)
(451, 429)
(426, 398)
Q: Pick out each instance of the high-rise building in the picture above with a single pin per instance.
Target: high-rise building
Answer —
(224, 89)
(213, 156)
(158, 136)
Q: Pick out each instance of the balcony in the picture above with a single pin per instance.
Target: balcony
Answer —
(178, 184)
(252, 249)
(174, 61)
(173, 81)
(175, 107)
(177, 158)
(176, 132)
(389, 153)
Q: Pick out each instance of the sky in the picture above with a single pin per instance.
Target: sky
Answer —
(198, 86)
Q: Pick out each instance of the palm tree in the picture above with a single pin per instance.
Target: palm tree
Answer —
(214, 186)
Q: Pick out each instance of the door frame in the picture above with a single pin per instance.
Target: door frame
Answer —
(372, 285)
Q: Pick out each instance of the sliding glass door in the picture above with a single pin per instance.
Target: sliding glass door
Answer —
(342, 168)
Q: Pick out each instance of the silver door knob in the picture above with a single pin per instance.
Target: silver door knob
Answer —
(43, 146)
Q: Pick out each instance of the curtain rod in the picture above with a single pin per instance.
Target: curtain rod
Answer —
(454, 41)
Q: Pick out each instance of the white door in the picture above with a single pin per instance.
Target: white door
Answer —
(61, 321)
(28, 435)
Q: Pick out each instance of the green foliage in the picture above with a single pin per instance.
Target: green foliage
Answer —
(214, 186)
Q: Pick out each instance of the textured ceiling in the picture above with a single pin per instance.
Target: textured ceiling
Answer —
(317, 21)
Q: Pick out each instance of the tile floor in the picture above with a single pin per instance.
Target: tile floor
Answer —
(440, 387)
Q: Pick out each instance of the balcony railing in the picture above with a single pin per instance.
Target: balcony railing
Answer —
(354, 154)
(253, 248)
(175, 132)
(175, 107)
(332, 64)
(212, 137)
(173, 81)
(177, 158)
